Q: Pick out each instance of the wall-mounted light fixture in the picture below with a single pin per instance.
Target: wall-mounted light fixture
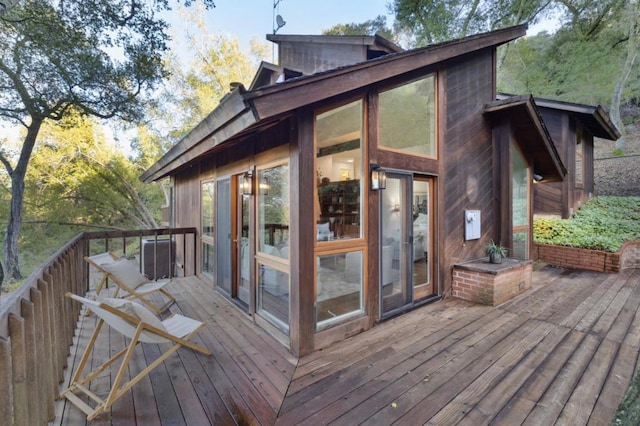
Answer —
(246, 183)
(537, 178)
(378, 178)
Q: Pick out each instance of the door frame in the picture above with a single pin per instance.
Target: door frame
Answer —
(408, 195)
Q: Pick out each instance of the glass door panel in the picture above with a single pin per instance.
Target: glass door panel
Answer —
(406, 266)
(395, 243)
(421, 229)
(223, 235)
(243, 269)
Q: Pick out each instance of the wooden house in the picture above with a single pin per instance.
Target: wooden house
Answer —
(573, 128)
(344, 184)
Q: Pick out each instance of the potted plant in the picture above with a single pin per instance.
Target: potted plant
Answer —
(496, 252)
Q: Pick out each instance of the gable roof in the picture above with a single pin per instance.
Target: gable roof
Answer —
(242, 111)
(593, 118)
(533, 137)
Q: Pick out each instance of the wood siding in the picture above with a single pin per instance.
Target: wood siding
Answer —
(466, 160)
(564, 198)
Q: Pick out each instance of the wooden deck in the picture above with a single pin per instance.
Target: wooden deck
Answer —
(563, 352)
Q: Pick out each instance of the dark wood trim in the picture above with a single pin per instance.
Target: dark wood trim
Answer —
(302, 319)
(372, 302)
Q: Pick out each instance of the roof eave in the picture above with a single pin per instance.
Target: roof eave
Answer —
(279, 98)
(230, 117)
(550, 165)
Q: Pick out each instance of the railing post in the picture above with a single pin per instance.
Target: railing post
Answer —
(20, 367)
(6, 383)
(49, 361)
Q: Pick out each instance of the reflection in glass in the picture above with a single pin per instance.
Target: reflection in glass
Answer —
(395, 292)
(208, 258)
(207, 208)
(245, 264)
(273, 211)
(406, 118)
(339, 172)
(273, 295)
(520, 182)
(339, 292)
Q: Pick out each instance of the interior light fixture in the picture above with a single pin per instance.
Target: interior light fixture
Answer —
(537, 178)
(378, 178)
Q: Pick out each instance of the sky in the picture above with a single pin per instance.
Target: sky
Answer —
(247, 19)
(255, 18)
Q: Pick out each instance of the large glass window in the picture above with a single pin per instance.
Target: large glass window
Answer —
(273, 244)
(520, 182)
(339, 279)
(339, 172)
(206, 203)
(406, 118)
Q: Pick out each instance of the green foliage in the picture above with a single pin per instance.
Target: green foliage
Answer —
(618, 152)
(493, 248)
(628, 412)
(603, 223)
(370, 27)
(430, 21)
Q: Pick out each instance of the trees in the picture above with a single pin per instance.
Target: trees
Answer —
(370, 27)
(99, 57)
(432, 21)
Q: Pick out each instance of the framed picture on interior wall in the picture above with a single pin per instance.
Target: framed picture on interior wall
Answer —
(345, 174)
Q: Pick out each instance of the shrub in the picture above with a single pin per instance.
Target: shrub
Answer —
(603, 223)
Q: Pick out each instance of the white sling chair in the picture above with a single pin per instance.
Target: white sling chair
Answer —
(139, 324)
(125, 274)
(97, 260)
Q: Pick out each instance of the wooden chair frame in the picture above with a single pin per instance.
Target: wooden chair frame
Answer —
(139, 293)
(142, 332)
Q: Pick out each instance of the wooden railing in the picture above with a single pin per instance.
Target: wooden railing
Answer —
(37, 322)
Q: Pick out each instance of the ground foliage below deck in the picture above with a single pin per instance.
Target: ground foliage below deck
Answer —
(603, 223)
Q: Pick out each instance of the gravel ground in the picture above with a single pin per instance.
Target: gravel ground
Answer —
(618, 175)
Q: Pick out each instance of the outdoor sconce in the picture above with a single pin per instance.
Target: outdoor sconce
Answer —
(537, 178)
(246, 183)
(378, 178)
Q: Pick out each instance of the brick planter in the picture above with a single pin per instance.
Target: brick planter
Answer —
(482, 282)
(590, 260)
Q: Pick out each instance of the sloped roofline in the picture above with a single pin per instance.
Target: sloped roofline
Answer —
(593, 117)
(523, 111)
(241, 110)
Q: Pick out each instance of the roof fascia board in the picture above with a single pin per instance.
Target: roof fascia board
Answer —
(278, 99)
(607, 129)
(527, 102)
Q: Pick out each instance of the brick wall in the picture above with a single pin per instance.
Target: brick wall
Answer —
(578, 258)
(490, 287)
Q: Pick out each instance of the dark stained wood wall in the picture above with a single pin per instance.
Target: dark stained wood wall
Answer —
(466, 160)
(186, 190)
(564, 198)
(310, 58)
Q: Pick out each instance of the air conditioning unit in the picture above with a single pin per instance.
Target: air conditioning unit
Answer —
(158, 258)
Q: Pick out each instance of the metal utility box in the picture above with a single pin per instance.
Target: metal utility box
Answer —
(472, 225)
(165, 255)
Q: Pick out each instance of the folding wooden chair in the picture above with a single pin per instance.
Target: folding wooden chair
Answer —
(138, 324)
(97, 261)
(126, 276)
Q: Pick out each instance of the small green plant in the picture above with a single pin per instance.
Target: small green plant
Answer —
(618, 152)
(496, 251)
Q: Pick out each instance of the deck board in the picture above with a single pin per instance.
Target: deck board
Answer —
(563, 352)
